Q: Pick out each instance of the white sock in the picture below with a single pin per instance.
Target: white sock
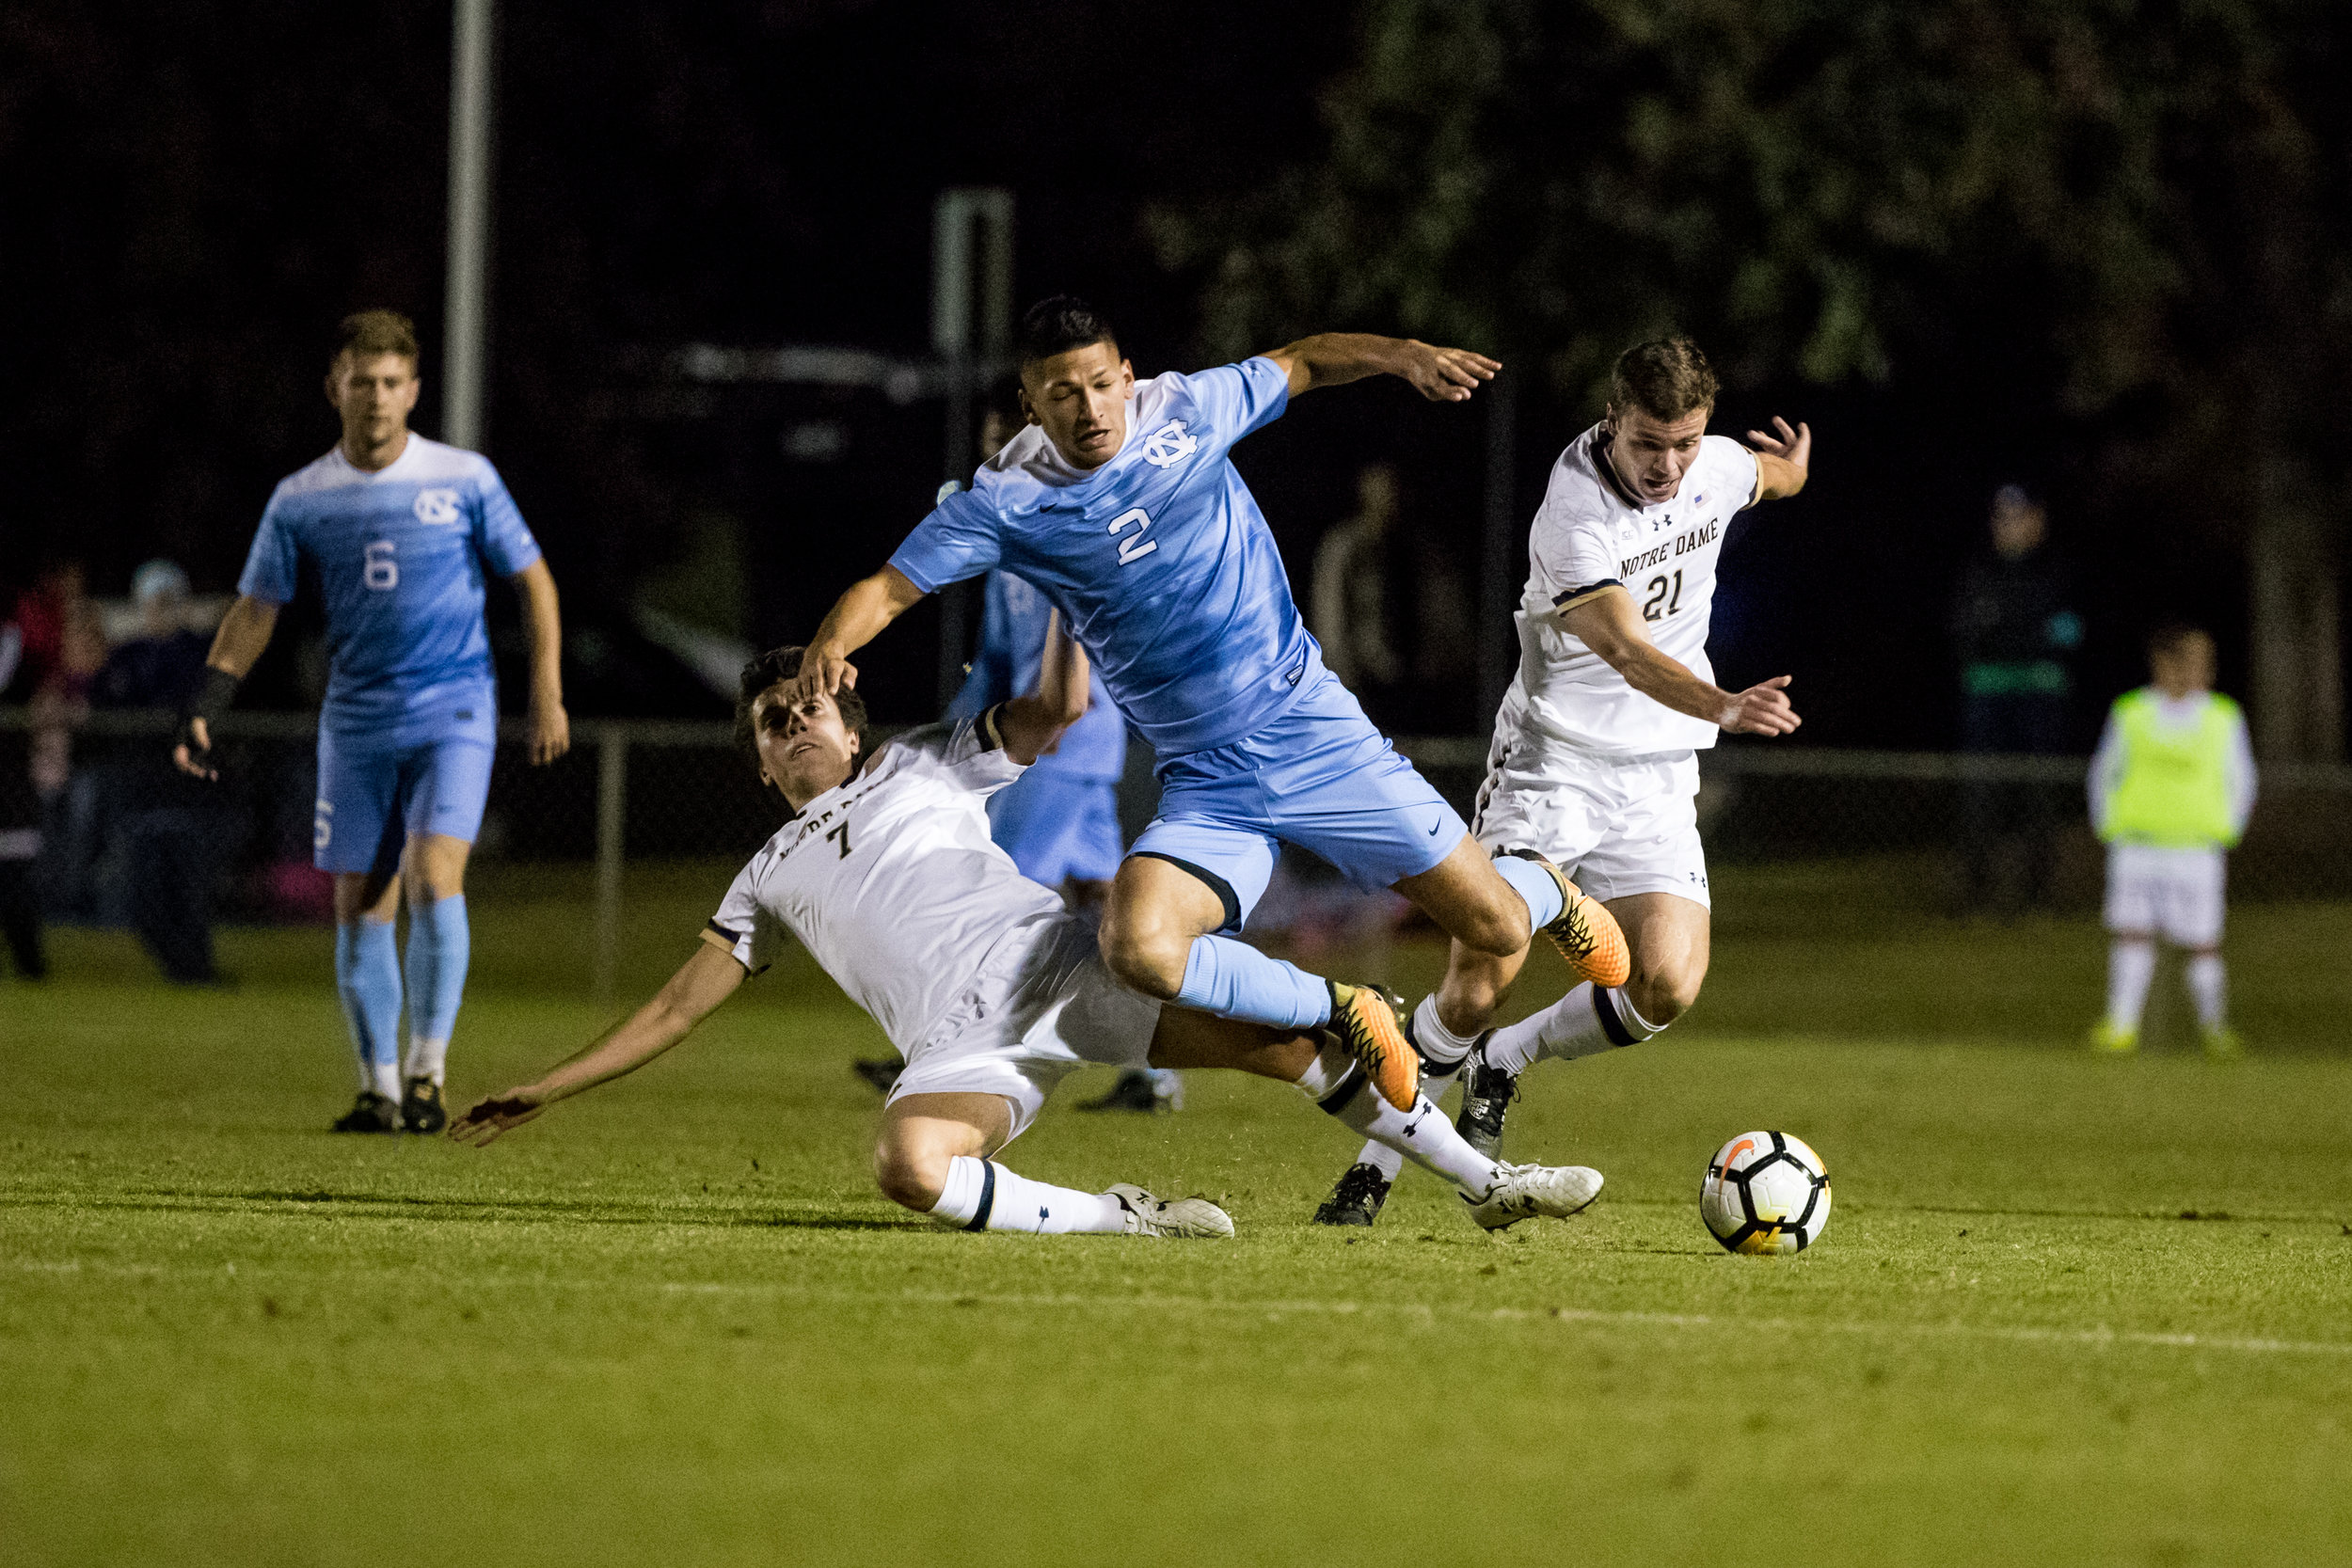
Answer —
(1584, 1023)
(1439, 1045)
(426, 1059)
(2130, 966)
(2209, 984)
(1422, 1134)
(981, 1195)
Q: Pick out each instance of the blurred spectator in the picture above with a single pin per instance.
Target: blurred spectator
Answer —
(161, 827)
(162, 666)
(1389, 609)
(2014, 634)
(20, 818)
(1351, 604)
(64, 642)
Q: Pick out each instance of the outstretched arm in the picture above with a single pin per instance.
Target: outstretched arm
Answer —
(1610, 626)
(243, 635)
(856, 619)
(1782, 460)
(550, 726)
(704, 981)
(1335, 358)
(1029, 724)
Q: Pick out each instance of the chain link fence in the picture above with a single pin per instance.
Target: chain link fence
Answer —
(630, 839)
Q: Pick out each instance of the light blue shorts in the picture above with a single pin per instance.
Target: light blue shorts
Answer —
(373, 799)
(1320, 777)
(1058, 827)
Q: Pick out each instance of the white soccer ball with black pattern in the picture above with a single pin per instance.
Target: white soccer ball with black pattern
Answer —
(1764, 1193)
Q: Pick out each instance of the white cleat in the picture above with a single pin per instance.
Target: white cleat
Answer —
(1526, 1191)
(1184, 1216)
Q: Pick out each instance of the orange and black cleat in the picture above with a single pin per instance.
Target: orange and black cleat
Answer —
(1587, 935)
(1364, 1020)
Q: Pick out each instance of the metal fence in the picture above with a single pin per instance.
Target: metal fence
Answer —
(1933, 834)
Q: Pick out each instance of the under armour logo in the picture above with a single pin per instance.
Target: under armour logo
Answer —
(437, 508)
(1168, 445)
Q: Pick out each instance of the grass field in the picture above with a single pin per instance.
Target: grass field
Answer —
(2069, 1310)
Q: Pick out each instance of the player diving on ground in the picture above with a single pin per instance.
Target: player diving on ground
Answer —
(1119, 504)
(1595, 759)
(986, 982)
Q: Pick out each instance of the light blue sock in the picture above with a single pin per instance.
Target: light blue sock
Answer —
(440, 942)
(1535, 885)
(367, 977)
(1233, 979)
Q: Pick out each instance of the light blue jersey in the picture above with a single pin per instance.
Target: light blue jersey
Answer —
(1013, 649)
(1160, 560)
(399, 555)
(1060, 821)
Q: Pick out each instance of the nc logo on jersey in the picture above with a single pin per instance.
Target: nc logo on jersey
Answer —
(1168, 445)
(437, 508)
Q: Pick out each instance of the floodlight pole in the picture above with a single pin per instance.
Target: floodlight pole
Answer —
(971, 277)
(466, 325)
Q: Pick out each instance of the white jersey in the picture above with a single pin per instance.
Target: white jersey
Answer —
(892, 883)
(1590, 536)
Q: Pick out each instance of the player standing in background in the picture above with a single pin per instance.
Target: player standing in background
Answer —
(1595, 759)
(1120, 505)
(2171, 787)
(399, 530)
(991, 989)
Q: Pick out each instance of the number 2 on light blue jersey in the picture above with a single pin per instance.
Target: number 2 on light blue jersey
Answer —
(1135, 549)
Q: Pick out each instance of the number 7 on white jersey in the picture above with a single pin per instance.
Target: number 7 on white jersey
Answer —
(1135, 549)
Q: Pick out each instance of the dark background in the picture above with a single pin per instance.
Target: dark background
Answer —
(194, 193)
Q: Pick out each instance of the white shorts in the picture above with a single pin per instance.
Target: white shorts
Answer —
(2174, 893)
(1617, 825)
(1022, 1027)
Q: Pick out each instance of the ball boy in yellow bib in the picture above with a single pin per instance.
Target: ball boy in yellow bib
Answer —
(2171, 788)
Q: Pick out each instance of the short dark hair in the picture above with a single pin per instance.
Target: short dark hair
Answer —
(2169, 636)
(1059, 323)
(1003, 399)
(368, 333)
(1665, 378)
(771, 669)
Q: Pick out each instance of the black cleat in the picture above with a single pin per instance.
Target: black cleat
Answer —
(1486, 1095)
(420, 1109)
(1357, 1198)
(881, 1072)
(370, 1113)
(1133, 1091)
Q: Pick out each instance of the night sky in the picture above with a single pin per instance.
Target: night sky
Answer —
(194, 197)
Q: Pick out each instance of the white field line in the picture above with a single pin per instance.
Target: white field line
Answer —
(2096, 1337)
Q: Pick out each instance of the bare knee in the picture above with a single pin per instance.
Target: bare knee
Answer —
(1146, 950)
(1663, 992)
(1495, 925)
(911, 1175)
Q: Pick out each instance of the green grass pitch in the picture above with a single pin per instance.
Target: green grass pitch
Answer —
(673, 1323)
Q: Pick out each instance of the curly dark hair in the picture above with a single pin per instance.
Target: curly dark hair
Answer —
(1058, 324)
(771, 669)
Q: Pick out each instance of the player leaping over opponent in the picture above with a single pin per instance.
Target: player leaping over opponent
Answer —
(1595, 758)
(1119, 504)
(988, 986)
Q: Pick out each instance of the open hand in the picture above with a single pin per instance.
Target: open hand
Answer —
(1792, 447)
(1445, 375)
(488, 1117)
(1762, 710)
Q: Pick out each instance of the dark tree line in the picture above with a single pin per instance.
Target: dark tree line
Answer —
(2153, 195)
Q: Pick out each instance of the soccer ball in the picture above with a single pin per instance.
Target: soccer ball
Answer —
(1764, 1193)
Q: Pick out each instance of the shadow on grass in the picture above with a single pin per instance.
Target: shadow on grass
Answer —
(396, 1206)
